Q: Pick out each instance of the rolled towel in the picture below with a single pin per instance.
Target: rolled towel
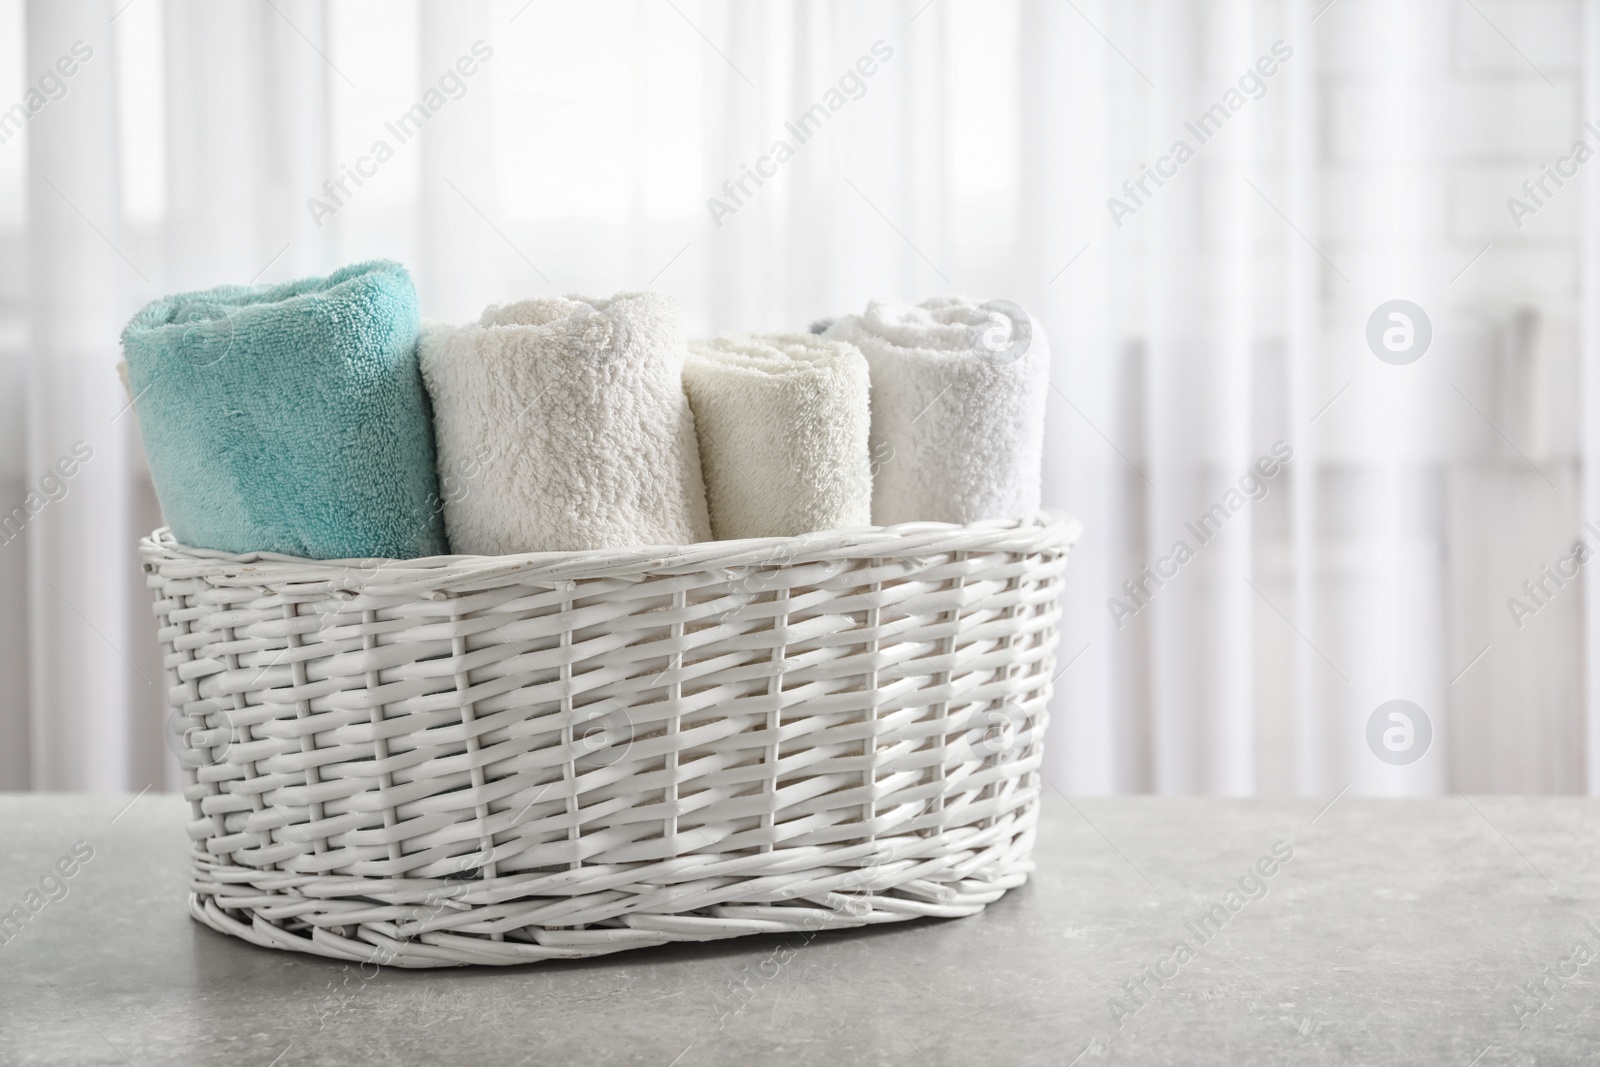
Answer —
(958, 396)
(783, 425)
(290, 418)
(590, 439)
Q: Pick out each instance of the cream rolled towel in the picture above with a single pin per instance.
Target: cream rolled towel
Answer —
(563, 423)
(783, 423)
(958, 396)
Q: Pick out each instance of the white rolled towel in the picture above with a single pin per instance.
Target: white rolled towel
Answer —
(958, 397)
(567, 416)
(783, 424)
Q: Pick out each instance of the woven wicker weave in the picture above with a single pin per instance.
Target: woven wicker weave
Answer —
(492, 760)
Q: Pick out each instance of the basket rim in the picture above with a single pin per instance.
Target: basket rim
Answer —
(1048, 529)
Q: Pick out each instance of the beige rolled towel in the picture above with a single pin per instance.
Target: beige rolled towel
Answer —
(783, 422)
(572, 415)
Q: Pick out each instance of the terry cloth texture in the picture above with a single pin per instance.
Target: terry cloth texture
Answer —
(290, 418)
(783, 425)
(958, 396)
(575, 410)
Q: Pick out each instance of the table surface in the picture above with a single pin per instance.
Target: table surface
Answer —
(1387, 931)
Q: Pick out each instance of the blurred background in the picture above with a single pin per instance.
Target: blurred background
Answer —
(1203, 304)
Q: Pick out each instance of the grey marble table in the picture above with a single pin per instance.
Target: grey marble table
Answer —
(1181, 931)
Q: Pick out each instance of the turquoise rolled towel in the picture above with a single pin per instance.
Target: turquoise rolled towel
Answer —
(290, 418)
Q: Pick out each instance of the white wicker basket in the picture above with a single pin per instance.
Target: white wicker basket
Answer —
(493, 760)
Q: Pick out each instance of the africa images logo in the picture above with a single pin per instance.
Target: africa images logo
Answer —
(1399, 332)
(1399, 732)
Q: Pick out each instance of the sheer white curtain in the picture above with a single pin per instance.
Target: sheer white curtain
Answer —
(1203, 306)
